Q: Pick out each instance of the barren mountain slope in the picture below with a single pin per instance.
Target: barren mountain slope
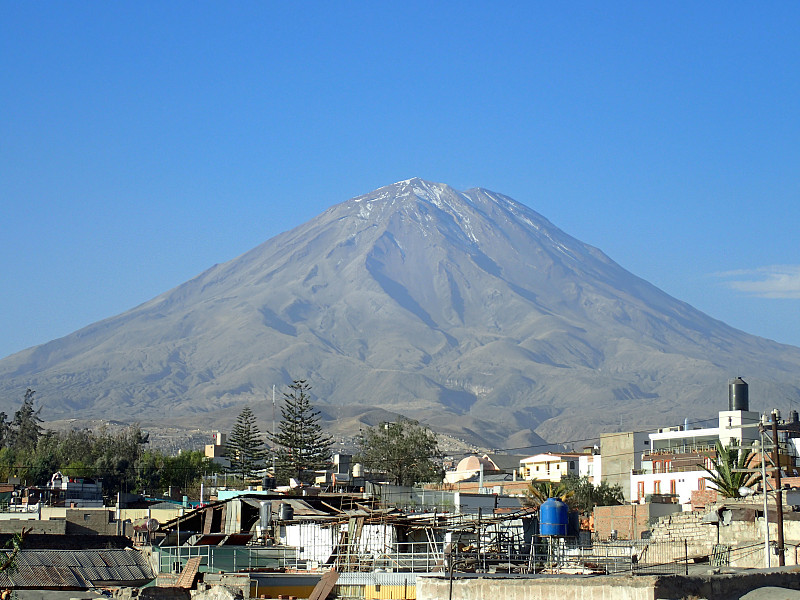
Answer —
(466, 310)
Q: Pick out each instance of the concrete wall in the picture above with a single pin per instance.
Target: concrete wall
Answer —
(54, 512)
(620, 453)
(83, 521)
(36, 526)
(87, 521)
(537, 588)
(639, 587)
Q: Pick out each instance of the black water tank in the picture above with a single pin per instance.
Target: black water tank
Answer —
(738, 395)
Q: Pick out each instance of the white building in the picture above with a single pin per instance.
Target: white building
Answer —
(589, 465)
(548, 466)
(672, 465)
(75, 492)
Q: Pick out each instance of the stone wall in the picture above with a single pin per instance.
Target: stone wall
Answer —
(683, 526)
(743, 533)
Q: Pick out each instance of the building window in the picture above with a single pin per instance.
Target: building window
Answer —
(640, 490)
(656, 487)
(673, 487)
(701, 485)
(572, 464)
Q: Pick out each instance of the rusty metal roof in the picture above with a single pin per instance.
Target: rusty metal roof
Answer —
(82, 569)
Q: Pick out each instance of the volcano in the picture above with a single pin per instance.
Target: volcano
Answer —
(465, 310)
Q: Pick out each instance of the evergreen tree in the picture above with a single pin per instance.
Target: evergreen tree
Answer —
(302, 447)
(26, 428)
(245, 449)
(5, 430)
(406, 451)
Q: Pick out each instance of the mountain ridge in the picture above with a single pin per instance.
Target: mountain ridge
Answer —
(467, 310)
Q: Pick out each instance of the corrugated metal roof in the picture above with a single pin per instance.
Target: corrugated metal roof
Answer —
(70, 569)
(301, 507)
(167, 506)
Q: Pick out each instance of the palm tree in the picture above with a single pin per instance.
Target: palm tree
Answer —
(728, 473)
(539, 491)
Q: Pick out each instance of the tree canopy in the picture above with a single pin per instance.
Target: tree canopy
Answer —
(577, 492)
(158, 472)
(539, 491)
(116, 456)
(405, 450)
(245, 449)
(301, 445)
(24, 431)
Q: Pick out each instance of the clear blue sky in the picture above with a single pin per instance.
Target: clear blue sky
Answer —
(142, 142)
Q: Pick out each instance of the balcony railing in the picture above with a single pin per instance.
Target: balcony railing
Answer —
(666, 470)
(696, 448)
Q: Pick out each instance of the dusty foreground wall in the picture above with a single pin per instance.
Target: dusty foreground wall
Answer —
(628, 587)
(537, 588)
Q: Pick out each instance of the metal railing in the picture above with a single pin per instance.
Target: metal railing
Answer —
(543, 555)
(229, 559)
(666, 470)
(409, 557)
(565, 555)
(695, 448)
(620, 556)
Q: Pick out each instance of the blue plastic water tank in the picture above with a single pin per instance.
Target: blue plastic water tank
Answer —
(553, 517)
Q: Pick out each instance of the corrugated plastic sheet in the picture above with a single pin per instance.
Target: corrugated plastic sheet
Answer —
(76, 569)
(352, 578)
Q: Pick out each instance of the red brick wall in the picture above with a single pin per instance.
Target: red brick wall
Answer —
(703, 498)
(629, 520)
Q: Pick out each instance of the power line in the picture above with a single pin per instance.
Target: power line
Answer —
(575, 441)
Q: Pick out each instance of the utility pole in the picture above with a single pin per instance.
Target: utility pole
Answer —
(778, 492)
(274, 472)
(762, 449)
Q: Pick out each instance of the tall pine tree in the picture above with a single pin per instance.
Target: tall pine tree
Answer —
(245, 449)
(302, 447)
